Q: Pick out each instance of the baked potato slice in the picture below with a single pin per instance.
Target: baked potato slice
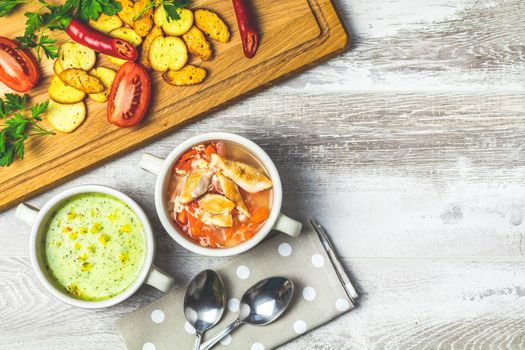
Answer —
(155, 32)
(130, 9)
(65, 117)
(73, 55)
(168, 53)
(106, 23)
(197, 44)
(188, 75)
(81, 80)
(210, 23)
(60, 92)
(174, 27)
(106, 77)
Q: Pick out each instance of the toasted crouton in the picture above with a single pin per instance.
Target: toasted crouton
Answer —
(188, 75)
(210, 23)
(197, 44)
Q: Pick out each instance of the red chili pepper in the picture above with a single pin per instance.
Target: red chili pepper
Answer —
(247, 28)
(83, 34)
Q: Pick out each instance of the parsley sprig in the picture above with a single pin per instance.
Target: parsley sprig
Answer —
(7, 6)
(55, 17)
(170, 6)
(19, 126)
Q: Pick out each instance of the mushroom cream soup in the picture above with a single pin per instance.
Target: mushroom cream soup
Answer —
(94, 246)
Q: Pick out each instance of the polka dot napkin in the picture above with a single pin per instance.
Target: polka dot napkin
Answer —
(322, 292)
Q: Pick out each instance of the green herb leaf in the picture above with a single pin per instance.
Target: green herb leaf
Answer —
(38, 109)
(150, 5)
(19, 147)
(172, 8)
(48, 45)
(33, 22)
(18, 128)
(7, 6)
(12, 103)
(91, 9)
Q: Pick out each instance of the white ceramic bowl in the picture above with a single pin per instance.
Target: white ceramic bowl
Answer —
(163, 169)
(37, 219)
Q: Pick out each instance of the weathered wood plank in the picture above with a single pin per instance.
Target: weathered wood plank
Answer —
(425, 45)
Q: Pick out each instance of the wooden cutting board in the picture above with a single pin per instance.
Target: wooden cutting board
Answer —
(294, 34)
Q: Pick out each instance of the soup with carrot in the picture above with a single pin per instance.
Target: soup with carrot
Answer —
(219, 194)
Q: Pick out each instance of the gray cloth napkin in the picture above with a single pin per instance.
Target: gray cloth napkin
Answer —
(322, 293)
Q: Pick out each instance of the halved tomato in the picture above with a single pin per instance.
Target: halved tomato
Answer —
(129, 96)
(18, 69)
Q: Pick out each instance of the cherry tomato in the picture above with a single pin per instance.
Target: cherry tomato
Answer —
(129, 96)
(18, 69)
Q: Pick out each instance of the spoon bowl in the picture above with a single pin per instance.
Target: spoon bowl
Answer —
(261, 304)
(204, 302)
(265, 301)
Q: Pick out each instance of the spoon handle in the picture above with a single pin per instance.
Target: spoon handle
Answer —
(210, 343)
(198, 337)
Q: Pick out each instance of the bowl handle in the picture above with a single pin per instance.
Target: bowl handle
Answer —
(151, 163)
(26, 213)
(159, 279)
(288, 225)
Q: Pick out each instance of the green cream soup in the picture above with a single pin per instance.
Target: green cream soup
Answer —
(94, 246)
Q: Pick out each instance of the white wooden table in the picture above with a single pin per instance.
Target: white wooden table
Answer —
(409, 148)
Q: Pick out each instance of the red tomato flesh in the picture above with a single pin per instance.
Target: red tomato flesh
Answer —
(18, 69)
(129, 96)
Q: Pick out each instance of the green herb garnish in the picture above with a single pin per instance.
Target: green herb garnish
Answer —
(171, 7)
(19, 127)
(55, 17)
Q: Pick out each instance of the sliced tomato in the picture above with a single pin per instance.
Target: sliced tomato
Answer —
(18, 69)
(129, 96)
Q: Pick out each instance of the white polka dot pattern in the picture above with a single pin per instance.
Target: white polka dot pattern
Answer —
(317, 260)
(257, 346)
(148, 346)
(157, 316)
(309, 293)
(189, 328)
(342, 304)
(285, 249)
(233, 305)
(299, 327)
(243, 272)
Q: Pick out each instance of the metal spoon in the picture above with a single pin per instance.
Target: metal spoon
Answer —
(260, 305)
(204, 302)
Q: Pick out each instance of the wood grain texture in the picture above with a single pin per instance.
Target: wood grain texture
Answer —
(312, 29)
(418, 175)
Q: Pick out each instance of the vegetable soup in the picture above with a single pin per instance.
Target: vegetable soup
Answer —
(219, 194)
(94, 246)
